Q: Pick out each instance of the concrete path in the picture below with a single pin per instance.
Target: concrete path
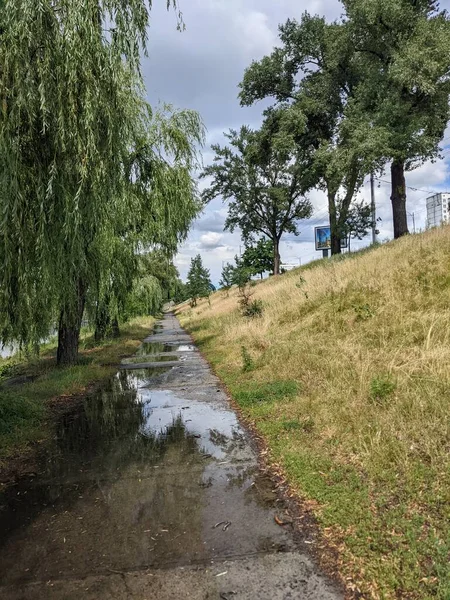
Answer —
(152, 491)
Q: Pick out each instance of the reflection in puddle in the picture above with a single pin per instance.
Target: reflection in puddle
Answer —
(137, 477)
(150, 358)
(151, 348)
(214, 428)
(154, 348)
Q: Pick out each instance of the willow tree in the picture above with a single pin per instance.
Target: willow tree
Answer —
(72, 113)
(162, 201)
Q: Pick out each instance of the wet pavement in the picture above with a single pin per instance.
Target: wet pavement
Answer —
(152, 491)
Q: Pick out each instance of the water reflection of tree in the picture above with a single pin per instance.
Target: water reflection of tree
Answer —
(107, 433)
(135, 495)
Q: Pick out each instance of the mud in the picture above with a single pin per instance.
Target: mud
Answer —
(151, 489)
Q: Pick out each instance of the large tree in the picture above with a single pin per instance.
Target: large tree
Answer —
(73, 128)
(313, 76)
(403, 50)
(260, 174)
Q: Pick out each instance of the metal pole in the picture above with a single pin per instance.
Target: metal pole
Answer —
(373, 209)
(414, 223)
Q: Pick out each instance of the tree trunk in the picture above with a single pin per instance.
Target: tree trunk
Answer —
(115, 329)
(334, 229)
(69, 328)
(102, 321)
(276, 257)
(398, 198)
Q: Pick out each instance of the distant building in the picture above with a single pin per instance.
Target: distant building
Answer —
(438, 209)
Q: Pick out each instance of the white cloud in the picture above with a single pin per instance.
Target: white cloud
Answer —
(211, 240)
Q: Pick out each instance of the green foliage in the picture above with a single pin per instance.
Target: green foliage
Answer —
(146, 298)
(7, 369)
(16, 411)
(258, 258)
(381, 387)
(363, 312)
(198, 281)
(228, 277)
(369, 89)
(403, 51)
(247, 360)
(259, 174)
(254, 308)
(359, 221)
(312, 77)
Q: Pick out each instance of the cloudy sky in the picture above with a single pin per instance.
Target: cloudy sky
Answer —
(201, 68)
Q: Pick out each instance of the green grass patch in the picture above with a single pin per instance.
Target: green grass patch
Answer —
(255, 392)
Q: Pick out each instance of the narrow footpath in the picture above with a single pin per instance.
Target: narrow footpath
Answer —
(151, 490)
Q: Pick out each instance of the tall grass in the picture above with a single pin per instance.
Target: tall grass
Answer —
(368, 341)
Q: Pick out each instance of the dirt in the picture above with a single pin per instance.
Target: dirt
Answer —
(152, 489)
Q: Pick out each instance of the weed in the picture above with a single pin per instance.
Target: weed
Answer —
(247, 360)
(381, 387)
(291, 425)
(363, 312)
(8, 369)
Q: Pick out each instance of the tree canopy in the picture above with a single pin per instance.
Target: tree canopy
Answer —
(198, 281)
(258, 258)
(372, 88)
(403, 50)
(312, 77)
(261, 177)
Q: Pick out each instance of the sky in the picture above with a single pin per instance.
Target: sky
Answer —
(201, 68)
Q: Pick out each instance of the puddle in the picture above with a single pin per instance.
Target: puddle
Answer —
(148, 348)
(151, 358)
(186, 348)
(137, 478)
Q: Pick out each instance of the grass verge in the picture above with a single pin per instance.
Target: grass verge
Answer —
(346, 375)
(24, 407)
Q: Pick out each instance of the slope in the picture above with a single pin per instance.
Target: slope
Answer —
(347, 376)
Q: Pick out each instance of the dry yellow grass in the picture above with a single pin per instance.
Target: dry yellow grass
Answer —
(367, 339)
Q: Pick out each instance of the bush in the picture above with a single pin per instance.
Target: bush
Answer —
(253, 309)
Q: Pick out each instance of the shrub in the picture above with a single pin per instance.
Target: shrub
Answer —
(253, 309)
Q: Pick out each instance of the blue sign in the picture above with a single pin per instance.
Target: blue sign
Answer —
(323, 238)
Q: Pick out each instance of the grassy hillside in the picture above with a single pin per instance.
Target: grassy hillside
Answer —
(347, 376)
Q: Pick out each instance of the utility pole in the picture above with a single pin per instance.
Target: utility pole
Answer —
(414, 221)
(373, 209)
